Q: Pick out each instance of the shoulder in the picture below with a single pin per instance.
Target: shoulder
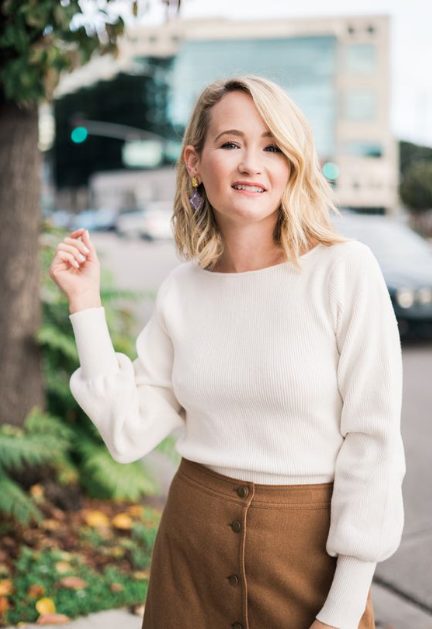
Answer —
(352, 260)
(355, 273)
(175, 279)
(350, 252)
(177, 275)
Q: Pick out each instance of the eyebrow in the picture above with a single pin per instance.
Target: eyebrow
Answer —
(266, 134)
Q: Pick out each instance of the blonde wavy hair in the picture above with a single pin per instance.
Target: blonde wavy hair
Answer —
(307, 201)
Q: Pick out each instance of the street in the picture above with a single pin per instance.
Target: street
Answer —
(402, 588)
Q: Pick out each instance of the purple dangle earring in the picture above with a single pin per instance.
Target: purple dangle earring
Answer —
(196, 199)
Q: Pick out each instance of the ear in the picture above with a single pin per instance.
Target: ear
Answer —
(191, 159)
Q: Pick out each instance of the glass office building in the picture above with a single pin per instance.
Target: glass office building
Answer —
(304, 66)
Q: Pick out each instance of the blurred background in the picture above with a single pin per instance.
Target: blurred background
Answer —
(94, 99)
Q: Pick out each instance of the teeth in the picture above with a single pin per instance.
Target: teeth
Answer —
(249, 188)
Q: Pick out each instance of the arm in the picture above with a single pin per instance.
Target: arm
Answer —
(367, 514)
(132, 404)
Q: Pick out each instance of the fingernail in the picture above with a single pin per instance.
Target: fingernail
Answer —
(86, 249)
(81, 257)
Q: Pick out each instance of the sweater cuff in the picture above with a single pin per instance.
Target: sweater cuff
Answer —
(95, 349)
(347, 598)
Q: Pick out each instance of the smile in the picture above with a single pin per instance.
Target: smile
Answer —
(249, 189)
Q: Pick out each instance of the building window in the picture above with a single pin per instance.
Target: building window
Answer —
(360, 148)
(360, 58)
(360, 104)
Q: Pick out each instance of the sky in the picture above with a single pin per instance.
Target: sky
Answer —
(410, 54)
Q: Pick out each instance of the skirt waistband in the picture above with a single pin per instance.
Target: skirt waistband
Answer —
(316, 493)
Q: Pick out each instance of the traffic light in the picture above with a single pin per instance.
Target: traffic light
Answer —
(79, 135)
(331, 171)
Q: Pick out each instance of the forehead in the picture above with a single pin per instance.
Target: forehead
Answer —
(235, 110)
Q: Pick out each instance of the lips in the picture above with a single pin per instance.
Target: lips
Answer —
(249, 184)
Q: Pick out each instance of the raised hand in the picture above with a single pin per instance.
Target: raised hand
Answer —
(76, 270)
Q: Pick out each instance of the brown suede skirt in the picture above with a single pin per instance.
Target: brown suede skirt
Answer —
(240, 555)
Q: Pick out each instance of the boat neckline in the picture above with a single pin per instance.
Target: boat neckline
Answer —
(265, 269)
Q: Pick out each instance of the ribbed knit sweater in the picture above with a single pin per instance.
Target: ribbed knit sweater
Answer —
(274, 376)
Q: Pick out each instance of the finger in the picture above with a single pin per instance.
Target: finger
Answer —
(73, 250)
(77, 231)
(68, 257)
(88, 242)
(78, 243)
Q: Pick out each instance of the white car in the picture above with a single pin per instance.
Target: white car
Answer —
(151, 223)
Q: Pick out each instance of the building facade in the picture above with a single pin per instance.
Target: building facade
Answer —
(335, 68)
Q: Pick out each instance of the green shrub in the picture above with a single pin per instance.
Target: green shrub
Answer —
(62, 439)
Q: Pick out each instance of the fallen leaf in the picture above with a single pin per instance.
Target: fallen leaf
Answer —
(63, 566)
(116, 587)
(37, 491)
(96, 519)
(117, 551)
(53, 619)
(4, 569)
(50, 524)
(35, 590)
(6, 587)
(4, 604)
(76, 583)
(141, 574)
(122, 521)
(135, 511)
(45, 606)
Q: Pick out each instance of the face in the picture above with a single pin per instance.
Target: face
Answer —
(239, 150)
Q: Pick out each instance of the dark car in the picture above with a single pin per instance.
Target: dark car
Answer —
(405, 259)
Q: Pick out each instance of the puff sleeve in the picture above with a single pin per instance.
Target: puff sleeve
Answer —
(131, 403)
(367, 513)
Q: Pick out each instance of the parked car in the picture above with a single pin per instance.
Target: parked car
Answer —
(60, 218)
(157, 222)
(151, 223)
(103, 219)
(405, 259)
(129, 223)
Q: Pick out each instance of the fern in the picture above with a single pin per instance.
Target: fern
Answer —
(28, 449)
(62, 437)
(49, 336)
(39, 422)
(104, 476)
(14, 502)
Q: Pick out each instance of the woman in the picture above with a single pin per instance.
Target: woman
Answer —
(275, 349)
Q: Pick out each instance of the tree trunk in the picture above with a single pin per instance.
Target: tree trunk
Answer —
(20, 308)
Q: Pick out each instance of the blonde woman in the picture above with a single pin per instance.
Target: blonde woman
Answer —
(274, 349)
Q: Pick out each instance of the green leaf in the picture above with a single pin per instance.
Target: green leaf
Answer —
(15, 503)
(104, 476)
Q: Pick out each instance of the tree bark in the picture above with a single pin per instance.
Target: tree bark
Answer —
(21, 385)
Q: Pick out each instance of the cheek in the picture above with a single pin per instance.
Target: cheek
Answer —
(281, 176)
(216, 171)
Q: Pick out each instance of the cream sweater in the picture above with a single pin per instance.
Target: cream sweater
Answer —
(272, 376)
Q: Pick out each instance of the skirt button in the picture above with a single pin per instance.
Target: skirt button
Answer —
(236, 526)
(233, 579)
(243, 491)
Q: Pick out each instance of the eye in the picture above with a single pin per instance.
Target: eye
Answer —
(229, 144)
(276, 148)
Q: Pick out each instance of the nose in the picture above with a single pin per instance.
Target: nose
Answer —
(249, 163)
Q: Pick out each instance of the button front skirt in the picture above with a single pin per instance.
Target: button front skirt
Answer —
(240, 555)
